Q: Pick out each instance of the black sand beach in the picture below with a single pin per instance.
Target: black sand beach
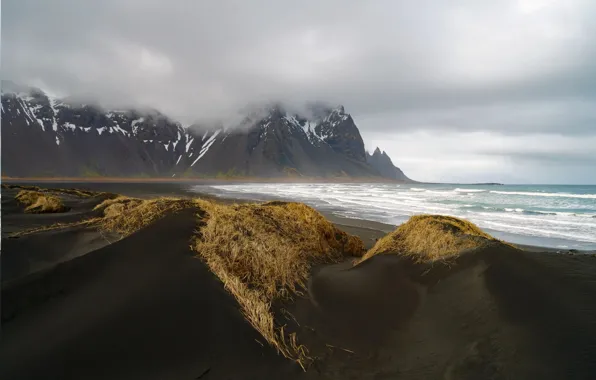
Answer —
(77, 303)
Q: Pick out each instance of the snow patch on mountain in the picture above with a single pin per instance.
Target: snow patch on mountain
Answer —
(188, 144)
(70, 126)
(134, 126)
(206, 146)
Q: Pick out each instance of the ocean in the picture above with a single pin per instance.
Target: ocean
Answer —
(556, 216)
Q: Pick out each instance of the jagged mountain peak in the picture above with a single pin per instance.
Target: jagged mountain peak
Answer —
(319, 123)
(381, 161)
(47, 136)
(321, 110)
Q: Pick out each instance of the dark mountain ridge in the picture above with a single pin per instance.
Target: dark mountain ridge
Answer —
(47, 137)
(383, 164)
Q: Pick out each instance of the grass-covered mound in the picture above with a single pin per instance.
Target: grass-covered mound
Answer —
(126, 215)
(122, 215)
(431, 237)
(38, 202)
(264, 252)
(75, 192)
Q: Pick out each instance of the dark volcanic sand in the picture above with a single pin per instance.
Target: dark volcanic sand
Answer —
(141, 308)
(33, 252)
(145, 308)
(499, 313)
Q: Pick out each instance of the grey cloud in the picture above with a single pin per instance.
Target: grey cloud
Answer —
(568, 158)
(576, 116)
(514, 67)
(392, 55)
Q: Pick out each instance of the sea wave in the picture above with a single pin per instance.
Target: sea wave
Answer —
(523, 211)
(458, 190)
(537, 231)
(530, 212)
(559, 217)
(538, 194)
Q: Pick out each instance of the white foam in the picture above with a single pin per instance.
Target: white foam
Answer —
(458, 190)
(390, 204)
(538, 194)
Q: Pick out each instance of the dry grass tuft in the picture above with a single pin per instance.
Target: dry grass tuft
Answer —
(122, 215)
(38, 202)
(126, 215)
(55, 226)
(431, 237)
(264, 252)
(76, 192)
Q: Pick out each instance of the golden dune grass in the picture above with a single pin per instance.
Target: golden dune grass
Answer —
(75, 192)
(122, 215)
(55, 226)
(431, 237)
(264, 252)
(126, 215)
(38, 202)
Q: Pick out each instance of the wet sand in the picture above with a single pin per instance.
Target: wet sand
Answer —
(145, 307)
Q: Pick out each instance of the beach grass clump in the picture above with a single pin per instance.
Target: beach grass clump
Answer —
(430, 238)
(75, 192)
(55, 226)
(125, 215)
(39, 202)
(264, 252)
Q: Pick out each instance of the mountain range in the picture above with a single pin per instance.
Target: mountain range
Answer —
(43, 136)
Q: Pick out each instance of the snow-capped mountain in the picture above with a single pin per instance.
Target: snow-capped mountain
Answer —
(44, 136)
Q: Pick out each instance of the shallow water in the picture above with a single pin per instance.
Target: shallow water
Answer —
(558, 216)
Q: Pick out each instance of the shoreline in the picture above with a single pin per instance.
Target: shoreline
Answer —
(368, 230)
(148, 297)
(200, 180)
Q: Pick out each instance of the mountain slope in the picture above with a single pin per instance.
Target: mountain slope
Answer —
(42, 136)
(383, 164)
(47, 137)
(281, 144)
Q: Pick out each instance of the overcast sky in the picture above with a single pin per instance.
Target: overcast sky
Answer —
(453, 90)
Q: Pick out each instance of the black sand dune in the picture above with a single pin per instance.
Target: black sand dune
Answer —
(29, 253)
(145, 308)
(14, 218)
(142, 308)
(496, 313)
